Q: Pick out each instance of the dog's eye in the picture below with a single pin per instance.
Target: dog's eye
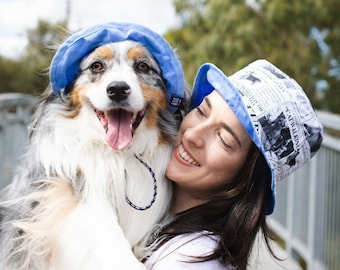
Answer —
(97, 66)
(142, 66)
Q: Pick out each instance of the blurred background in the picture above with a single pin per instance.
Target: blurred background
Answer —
(300, 37)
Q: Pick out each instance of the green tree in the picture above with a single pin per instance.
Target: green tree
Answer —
(300, 37)
(42, 42)
(14, 76)
(28, 73)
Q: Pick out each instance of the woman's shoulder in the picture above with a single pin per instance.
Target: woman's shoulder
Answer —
(180, 252)
(196, 244)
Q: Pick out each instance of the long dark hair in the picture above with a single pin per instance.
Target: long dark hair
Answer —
(235, 214)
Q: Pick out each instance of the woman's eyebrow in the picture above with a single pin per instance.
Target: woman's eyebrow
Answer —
(206, 99)
(225, 126)
(229, 129)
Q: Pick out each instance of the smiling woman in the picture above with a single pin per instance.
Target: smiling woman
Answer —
(242, 135)
(212, 146)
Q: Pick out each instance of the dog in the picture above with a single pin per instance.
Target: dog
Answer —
(91, 184)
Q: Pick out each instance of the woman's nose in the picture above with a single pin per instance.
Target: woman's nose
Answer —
(195, 135)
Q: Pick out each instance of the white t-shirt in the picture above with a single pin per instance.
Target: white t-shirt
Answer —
(175, 254)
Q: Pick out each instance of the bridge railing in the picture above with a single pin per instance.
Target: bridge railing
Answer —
(307, 213)
(15, 113)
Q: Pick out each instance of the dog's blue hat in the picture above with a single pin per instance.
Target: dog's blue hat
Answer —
(273, 109)
(65, 64)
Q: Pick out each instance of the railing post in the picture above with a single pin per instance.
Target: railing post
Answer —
(15, 113)
(311, 214)
(290, 213)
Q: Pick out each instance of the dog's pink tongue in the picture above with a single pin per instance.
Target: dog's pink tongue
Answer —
(119, 133)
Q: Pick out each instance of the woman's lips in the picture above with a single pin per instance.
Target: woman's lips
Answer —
(186, 157)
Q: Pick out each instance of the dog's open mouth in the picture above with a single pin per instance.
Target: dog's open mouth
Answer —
(120, 126)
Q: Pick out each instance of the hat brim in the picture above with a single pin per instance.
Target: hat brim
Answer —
(210, 78)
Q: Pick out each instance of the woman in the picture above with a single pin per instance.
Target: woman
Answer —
(242, 135)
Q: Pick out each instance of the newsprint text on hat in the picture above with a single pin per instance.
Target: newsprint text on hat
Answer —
(273, 109)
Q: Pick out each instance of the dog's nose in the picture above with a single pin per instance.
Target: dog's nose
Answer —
(118, 90)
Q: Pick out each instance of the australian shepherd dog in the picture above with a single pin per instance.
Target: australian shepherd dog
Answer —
(91, 183)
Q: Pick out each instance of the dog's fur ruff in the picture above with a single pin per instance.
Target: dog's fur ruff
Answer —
(66, 207)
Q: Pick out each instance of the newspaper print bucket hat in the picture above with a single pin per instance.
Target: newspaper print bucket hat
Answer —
(65, 63)
(274, 110)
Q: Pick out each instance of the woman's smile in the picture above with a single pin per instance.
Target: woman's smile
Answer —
(186, 156)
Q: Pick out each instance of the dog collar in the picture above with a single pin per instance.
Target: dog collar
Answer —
(154, 182)
(64, 67)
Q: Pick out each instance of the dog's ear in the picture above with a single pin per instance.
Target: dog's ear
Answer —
(69, 88)
(47, 96)
(185, 104)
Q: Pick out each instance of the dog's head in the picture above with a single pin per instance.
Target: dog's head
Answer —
(123, 83)
(125, 72)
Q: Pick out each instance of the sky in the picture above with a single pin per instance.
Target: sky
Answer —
(17, 16)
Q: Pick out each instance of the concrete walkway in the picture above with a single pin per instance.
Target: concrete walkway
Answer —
(261, 258)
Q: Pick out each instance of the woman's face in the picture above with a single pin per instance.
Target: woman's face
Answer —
(211, 148)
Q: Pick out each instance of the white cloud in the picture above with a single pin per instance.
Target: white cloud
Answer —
(17, 16)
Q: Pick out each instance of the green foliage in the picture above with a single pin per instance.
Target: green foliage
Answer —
(232, 33)
(28, 72)
(14, 76)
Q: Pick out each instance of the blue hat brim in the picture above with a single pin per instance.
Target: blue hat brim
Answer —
(65, 65)
(210, 78)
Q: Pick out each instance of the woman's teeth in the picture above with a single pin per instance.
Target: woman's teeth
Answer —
(186, 156)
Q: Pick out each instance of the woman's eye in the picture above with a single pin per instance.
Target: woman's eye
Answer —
(142, 66)
(199, 111)
(97, 67)
(223, 141)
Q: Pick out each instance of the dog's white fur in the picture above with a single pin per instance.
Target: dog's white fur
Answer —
(66, 208)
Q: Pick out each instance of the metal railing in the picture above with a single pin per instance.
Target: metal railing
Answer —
(306, 217)
(15, 113)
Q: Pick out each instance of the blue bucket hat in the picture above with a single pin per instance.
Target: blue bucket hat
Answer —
(65, 64)
(273, 109)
